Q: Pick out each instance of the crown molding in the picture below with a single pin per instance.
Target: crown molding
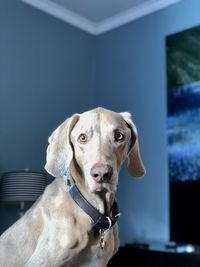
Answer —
(64, 14)
(105, 25)
(132, 14)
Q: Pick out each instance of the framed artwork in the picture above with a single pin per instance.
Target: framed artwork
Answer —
(183, 95)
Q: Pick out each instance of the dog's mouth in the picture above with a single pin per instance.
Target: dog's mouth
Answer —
(98, 187)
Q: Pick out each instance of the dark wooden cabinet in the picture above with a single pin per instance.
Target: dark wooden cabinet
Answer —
(131, 255)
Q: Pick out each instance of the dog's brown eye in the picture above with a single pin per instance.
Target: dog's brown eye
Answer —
(118, 136)
(82, 138)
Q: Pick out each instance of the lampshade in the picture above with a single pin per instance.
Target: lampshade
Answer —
(22, 186)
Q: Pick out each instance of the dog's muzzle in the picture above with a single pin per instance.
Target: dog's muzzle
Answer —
(101, 173)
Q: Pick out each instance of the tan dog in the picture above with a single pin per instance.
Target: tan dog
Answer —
(86, 150)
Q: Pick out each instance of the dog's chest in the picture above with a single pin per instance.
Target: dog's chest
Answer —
(98, 258)
(95, 255)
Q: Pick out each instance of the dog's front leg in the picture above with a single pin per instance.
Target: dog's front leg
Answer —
(49, 254)
(56, 248)
(43, 256)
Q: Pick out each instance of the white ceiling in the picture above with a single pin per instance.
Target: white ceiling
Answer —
(98, 16)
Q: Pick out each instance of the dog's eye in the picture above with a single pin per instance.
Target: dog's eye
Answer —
(82, 138)
(118, 136)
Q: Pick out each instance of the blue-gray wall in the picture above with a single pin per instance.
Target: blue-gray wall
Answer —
(131, 75)
(46, 74)
(49, 70)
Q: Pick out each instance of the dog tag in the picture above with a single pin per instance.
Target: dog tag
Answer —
(102, 241)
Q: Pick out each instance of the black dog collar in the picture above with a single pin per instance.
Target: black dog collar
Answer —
(101, 222)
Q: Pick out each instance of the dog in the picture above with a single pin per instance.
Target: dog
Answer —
(74, 222)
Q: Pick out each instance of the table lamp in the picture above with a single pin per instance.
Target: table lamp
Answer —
(21, 187)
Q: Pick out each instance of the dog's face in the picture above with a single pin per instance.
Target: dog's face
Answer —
(99, 141)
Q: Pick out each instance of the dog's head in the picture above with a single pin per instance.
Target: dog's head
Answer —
(98, 141)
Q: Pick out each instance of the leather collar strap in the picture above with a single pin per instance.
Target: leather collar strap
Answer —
(101, 222)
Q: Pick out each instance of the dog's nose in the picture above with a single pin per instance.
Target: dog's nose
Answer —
(101, 173)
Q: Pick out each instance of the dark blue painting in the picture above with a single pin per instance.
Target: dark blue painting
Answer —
(183, 91)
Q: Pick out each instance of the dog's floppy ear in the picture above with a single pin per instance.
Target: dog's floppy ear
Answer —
(135, 164)
(59, 151)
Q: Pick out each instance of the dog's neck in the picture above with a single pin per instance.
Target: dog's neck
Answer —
(107, 200)
(102, 201)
